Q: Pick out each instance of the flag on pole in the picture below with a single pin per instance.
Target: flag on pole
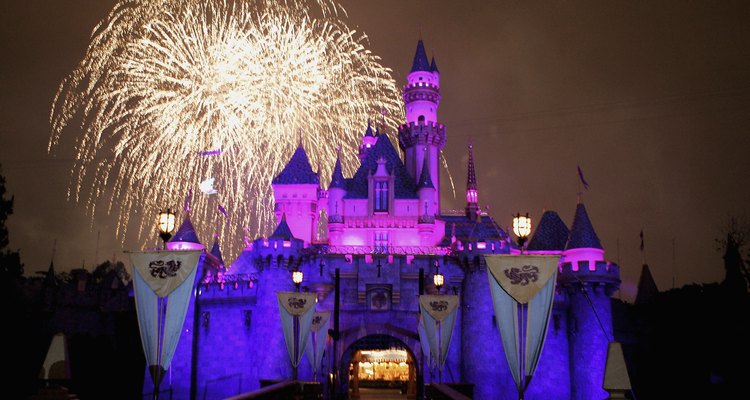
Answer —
(162, 285)
(523, 288)
(583, 180)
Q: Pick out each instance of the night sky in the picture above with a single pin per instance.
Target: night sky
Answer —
(651, 99)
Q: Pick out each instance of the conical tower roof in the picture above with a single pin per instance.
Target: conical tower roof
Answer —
(421, 63)
(369, 131)
(647, 289)
(297, 170)
(582, 234)
(282, 230)
(186, 233)
(425, 181)
(337, 178)
(433, 66)
(550, 234)
(216, 251)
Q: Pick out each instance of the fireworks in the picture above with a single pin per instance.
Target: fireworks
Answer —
(172, 93)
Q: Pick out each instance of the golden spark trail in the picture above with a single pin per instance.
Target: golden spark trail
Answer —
(164, 81)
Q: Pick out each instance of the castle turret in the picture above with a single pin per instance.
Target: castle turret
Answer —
(421, 100)
(214, 267)
(589, 282)
(336, 193)
(276, 258)
(550, 236)
(427, 207)
(472, 194)
(295, 192)
(185, 238)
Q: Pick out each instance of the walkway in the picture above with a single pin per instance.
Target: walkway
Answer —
(380, 394)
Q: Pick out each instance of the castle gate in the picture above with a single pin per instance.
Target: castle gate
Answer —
(379, 362)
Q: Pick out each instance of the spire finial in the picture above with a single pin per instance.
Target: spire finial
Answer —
(471, 179)
(299, 133)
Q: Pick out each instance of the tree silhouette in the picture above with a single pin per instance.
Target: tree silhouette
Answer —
(11, 267)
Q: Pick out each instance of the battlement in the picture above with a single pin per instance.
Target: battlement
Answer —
(421, 86)
(228, 287)
(596, 272)
(421, 133)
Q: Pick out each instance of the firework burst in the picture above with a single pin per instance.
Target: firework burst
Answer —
(173, 92)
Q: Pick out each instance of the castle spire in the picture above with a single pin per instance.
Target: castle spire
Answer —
(421, 63)
(337, 177)
(472, 196)
(433, 65)
(424, 179)
(582, 234)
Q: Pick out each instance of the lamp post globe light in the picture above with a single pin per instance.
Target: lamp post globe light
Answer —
(166, 225)
(297, 278)
(522, 228)
(438, 279)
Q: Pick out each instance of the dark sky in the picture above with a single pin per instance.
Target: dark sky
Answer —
(651, 99)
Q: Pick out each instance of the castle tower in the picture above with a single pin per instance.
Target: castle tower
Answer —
(552, 377)
(185, 238)
(589, 282)
(336, 193)
(295, 192)
(472, 195)
(427, 206)
(276, 258)
(421, 100)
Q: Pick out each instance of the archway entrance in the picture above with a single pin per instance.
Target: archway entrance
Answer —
(380, 367)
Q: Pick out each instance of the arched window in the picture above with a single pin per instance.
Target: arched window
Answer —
(381, 196)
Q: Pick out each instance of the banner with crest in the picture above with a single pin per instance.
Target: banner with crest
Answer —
(316, 342)
(523, 290)
(438, 314)
(162, 284)
(297, 311)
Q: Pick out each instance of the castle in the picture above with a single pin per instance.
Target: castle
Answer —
(386, 237)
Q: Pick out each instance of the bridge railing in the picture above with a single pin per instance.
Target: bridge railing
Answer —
(442, 391)
(292, 390)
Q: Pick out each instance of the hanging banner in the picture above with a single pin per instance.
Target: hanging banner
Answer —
(162, 285)
(523, 290)
(56, 365)
(425, 345)
(164, 271)
(438, 313)
(297, 310)
(316, 342)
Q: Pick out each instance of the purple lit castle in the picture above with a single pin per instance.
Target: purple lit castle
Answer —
(385, 238)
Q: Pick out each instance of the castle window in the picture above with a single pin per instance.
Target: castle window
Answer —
(381, 196)
(421, 118)
(381, 242)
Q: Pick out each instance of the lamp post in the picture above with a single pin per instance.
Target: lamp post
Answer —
(297, 278)
(438, 279)
(522, 228)
(166, 225)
